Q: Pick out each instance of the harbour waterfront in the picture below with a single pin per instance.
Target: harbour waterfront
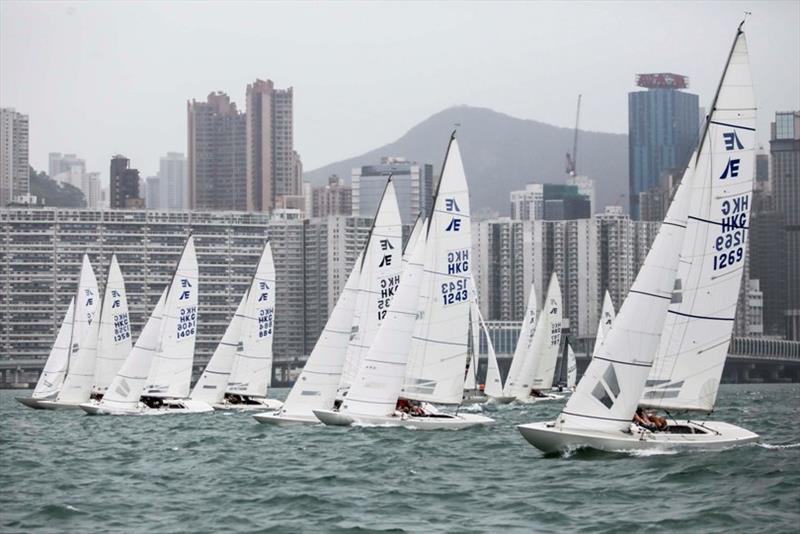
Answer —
(64, 471)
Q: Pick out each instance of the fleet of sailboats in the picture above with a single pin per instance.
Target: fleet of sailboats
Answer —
(405, 335)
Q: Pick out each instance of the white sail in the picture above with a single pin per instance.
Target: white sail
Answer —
(546, 340)
(114, 338)
(55, 368)
(77, 385)
(380, 274)
(376, 388)
(493, 386)
(126, 388)
(471, 379)
(252, 365)
(607, 315)
(435, 369)
(608, 393)
(171, 372)
(211, 385)
(416, 231)
(315, 388)
(516, 385)
(572, 367)
(694, 342)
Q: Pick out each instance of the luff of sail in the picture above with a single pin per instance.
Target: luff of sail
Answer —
(694, 342)
(381, 265)
(55, 368)
(315, 388)
(114, 338)
(252, 365)
(435, 368)
(125, 389)
(515, 384)
(171, 372)
(608, 393)
(607, 315)
(572, 367)
(471, 378)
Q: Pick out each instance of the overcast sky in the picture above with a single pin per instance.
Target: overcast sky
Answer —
(102, 78)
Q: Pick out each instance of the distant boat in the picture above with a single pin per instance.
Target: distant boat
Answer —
(568, 370)
(71, 360)
(668, 343)
(419, 354)
(493, 386)
(322, 377)
(607, 315)
(239, 372)
(155, 377)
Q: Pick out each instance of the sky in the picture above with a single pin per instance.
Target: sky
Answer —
(101, 78)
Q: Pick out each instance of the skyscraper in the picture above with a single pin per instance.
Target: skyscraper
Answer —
(784, 147)
(217, 147)
(662, 131)
(336, 198)
(172, 181)
(124, 184)
(272, 162)
(14, 166)
(413, 183)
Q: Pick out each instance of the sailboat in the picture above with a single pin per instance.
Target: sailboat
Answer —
(419, 354)
(155, 377)
(318, 384)
(607, 315)
(539, 351)
(66, 367)
(568, 369)
(682, 291)
(522, 351)
(238, 373)
(493, 386)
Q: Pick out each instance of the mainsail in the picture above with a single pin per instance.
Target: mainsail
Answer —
(572, 367)
(171, 372)
(435, 368)
(252, 365)
(694, 341)
(114, 338)
(516, 385)
(606, 320)
(381, 264)
(547, 339)
(55, 368)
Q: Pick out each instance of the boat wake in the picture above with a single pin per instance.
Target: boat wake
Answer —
(783, 446)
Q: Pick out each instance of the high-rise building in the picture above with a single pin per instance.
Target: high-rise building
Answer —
(124, 184)
(152, 193)
(767, 246)
(554, 202)
(15, 176)
(272, 163)
(67, 168)
(91, 188)
(217, 160)
(662, 131)
(585, 187)
(172, 181)
(784, 147)
(528, 204)
(336, 198)
(413, 183)
(762, 171)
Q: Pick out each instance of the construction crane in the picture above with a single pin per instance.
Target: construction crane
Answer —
(572, 160)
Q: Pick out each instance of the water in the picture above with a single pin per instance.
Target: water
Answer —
(64, 471)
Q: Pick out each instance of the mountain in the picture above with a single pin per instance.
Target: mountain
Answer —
(502, 154)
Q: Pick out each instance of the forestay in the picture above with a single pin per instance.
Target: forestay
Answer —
(171, 372)
(252, 365)
(606, 320)
(126, 388)
(210, 387)
(55, 368)
(694, 342)
(381, 265)
(435, 370)
(608, 393)
(515, 383)
(114, 338)
(315, 388)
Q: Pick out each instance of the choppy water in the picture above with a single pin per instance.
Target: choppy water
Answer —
(64, 471)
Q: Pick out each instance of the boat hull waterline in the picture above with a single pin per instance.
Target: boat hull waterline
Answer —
(183, 406)
(548, 438)
(258, 404)
(437, 422)
(272, 418)
(39, 404)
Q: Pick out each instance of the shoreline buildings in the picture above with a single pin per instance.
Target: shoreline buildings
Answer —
(413, 183)
(14, 167)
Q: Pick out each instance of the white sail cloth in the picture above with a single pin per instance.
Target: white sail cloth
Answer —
(516, 385)
(607, 315)
(55, 368)
(546, 339)
(114, 338)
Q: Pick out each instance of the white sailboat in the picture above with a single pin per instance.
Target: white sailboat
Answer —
(670, 300)
(317, 386)
(538, 368)
(472, 392)
(607, 315)
(515, 383)
(70, 366)
(420, 351)
(568, 370)
(251, 373)
(381, 265)
(114, 336)
(493, 385)
(163, 354)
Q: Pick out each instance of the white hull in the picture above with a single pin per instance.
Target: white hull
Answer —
(548, 438)
(534, 400)
(257, 404)
(170, 407)
(38, 404)
(472, 398)
(437, 422)
(285, 420)
(502, 400)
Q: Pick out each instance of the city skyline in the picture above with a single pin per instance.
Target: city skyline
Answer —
(368, 112)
